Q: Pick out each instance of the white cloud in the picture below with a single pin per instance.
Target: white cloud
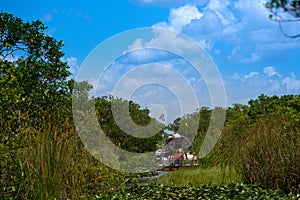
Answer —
(250, 75)
(275, 86)
(218, 23)
(210, 23)
(222, 11)
(270, 71)
(240, 88)
(167, 40)
(251, 11)
(292, 83)
(72, 62)
(183, 16)
(180, 17)
(258, 35)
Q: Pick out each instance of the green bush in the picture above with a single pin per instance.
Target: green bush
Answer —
(271, 154)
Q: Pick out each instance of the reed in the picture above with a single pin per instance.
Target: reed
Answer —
(55, 165)
(271, 155)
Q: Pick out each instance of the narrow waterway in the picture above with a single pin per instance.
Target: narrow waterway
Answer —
(147, 180)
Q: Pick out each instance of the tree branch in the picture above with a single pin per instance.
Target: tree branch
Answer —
(285, 34)
(279, 19)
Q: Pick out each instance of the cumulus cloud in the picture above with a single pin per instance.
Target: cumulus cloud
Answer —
(210, 23)
(222, 10)
(242, 25)
(180, 17)
(217, 23)
(165, 46)
(166, 40)
(241, 87)
(292, 83)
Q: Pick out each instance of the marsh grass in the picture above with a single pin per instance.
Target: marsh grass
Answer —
(50, 162)
(271, 155)
(198, 176)
(55, 165)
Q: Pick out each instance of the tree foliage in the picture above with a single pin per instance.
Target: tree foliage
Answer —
(33, 77)
(119, 137)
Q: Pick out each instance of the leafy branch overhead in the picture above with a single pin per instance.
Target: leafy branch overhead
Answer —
(27, 40)
(284, 11)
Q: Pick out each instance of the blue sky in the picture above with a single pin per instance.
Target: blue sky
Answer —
(249, 50)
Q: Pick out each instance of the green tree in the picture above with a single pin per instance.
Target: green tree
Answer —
(33, 77)
(121, 138)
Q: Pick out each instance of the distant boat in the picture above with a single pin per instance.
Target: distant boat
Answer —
(176, 151)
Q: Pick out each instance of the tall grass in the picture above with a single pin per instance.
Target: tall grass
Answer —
(266, 151)
(271, 155)
(199, 175)
(53, 164)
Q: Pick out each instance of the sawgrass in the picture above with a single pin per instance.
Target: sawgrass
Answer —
(197, 176)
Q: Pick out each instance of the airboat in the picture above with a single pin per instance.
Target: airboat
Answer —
(176, 151)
